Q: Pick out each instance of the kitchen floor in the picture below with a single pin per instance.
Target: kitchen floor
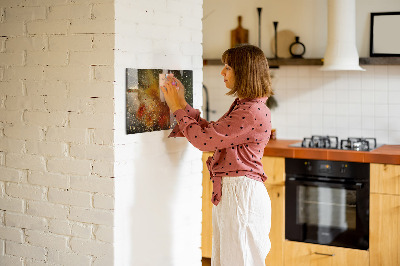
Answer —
(206, 261)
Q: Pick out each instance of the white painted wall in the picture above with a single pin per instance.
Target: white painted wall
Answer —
(344, 103)
(305, 18)
(158, 180)
(56, 132)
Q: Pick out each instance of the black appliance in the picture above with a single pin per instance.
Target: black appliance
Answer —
(327, 202)
(332, 142)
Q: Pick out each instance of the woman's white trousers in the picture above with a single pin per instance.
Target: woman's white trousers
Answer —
(241, 223)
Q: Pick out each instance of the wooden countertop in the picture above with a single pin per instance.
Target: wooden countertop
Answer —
(389, 154)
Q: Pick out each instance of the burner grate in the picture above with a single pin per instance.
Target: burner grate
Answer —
(358, 144)
(327, 142)
(332, 142)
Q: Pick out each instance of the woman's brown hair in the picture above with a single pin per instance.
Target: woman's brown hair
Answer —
(250, 66)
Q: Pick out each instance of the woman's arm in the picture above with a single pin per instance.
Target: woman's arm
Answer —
(174, 93)
(237, 128)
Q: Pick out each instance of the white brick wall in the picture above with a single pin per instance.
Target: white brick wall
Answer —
(56, 132)
(60, 132)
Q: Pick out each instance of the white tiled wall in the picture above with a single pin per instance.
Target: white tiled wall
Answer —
(311, 102)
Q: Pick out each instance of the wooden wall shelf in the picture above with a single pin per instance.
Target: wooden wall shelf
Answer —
(380, 61)
(274, 63)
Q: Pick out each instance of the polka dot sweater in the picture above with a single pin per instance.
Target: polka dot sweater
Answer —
(238, 139)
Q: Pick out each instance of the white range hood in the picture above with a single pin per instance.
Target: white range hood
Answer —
(341, 51)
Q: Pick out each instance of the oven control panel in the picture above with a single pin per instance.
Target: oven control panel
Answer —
(338, 169)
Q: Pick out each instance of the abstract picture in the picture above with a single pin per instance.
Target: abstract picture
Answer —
(146, 109)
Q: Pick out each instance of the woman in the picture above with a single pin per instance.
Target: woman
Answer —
(242, 208)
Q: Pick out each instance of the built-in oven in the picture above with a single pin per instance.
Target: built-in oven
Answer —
(327, 202)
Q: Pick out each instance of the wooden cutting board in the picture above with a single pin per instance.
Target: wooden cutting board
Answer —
(239, 35)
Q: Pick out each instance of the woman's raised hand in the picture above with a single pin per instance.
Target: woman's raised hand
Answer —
(181, 90)
(172, 94)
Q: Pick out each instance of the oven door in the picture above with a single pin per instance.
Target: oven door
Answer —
(327, 213)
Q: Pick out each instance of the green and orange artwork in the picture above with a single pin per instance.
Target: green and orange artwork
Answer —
(146, 109)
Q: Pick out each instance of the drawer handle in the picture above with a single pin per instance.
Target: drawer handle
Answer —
(324, 254)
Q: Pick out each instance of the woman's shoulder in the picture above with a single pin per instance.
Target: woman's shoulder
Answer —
(254, 105)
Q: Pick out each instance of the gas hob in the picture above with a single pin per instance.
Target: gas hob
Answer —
(332, 142)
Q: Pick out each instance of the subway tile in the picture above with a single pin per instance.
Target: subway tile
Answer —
(367, 83)
(316, 72)
(394, 110)
(342, 109)
(304, 72)
(355, 96)
(342, 96)
(317, 120)
(280, 72)
(316, 83)
(317, 107)
(394, 137)
(342, 82)
(355, 122)
(304, 82)
(342, 133)
(394, 70)
(382, 136)
(329, 122)
(355, 83)
(367, 110)
(329, 94)
(305, 95)
(381, 84)
(394, 123)
(342, 122)
(317, 131)
(367, 96)
(291, 71)
(381, 123)
(394, 83)
(382, 110)
(329, 109)
(367, 133)
(292, 82)
(380, 71)
(367, 122)
(328, 74)
(394, 97)
(355, 109)
(355, 132)
(381, 97)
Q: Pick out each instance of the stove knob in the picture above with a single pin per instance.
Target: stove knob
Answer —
(308, 166)
(343, 168)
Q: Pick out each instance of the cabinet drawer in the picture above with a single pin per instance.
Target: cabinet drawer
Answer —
(385, 178)
(384, 236)
(304, 254)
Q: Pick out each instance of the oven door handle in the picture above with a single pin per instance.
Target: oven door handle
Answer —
(357, 185)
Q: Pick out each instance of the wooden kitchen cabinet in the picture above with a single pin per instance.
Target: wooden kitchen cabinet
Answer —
(384, 237)
(274, 168)
(385, 178)
(206, 225)
(277, 233)
(305, 254)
